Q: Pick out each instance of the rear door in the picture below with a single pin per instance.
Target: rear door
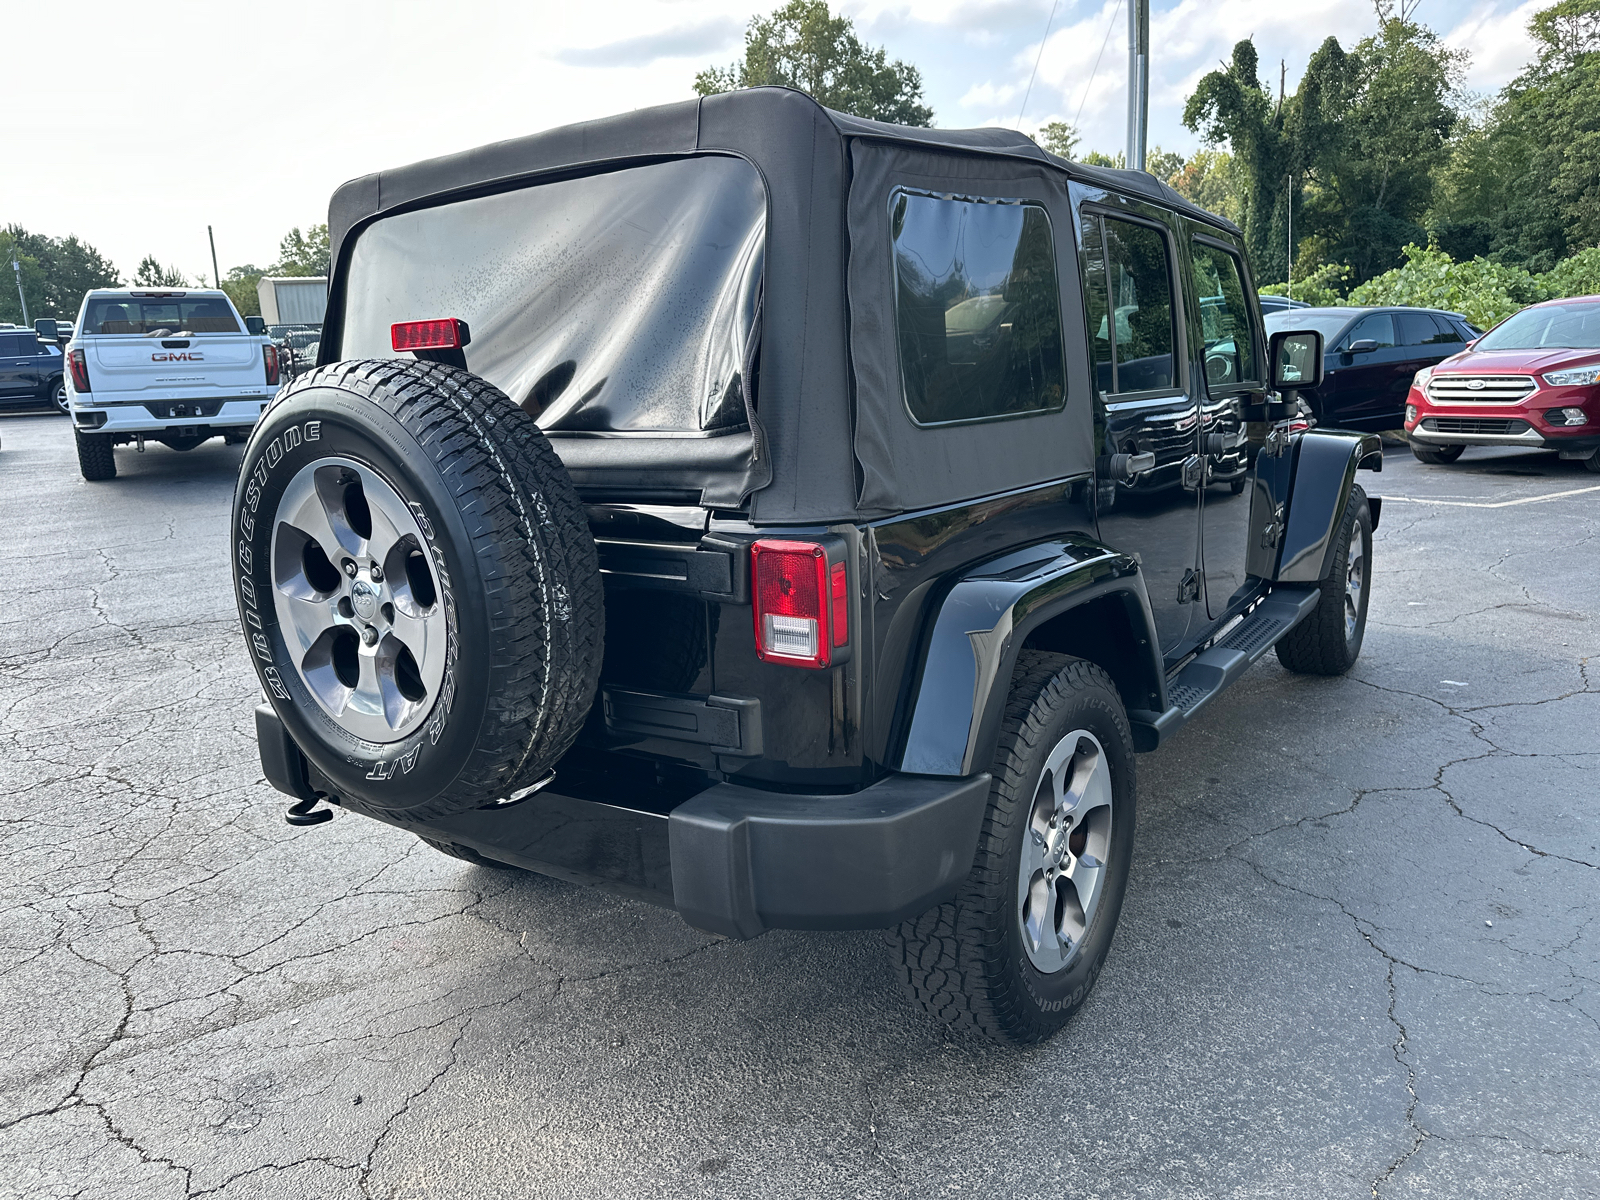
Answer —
(1144, 403)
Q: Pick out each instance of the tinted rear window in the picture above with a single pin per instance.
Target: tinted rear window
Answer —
(616, 303)
(978, 309)
(159, 317)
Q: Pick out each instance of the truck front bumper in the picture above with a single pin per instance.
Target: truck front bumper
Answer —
(733, 860)
(162, 416)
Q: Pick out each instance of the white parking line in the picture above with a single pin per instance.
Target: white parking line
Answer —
(1489, 504)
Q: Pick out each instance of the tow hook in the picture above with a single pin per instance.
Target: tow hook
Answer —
(306, 812)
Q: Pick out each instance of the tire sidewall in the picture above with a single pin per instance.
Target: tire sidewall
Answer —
(1057, 995)
(325, 421)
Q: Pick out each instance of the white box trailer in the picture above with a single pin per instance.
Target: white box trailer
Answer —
(293, 300)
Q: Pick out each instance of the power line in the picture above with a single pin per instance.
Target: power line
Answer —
(1029, 90)
(1112, 24)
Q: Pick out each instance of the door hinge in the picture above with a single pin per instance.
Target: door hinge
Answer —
(1189, 588)
(1273, 530)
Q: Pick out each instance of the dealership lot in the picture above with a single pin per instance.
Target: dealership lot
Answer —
(1376, 965)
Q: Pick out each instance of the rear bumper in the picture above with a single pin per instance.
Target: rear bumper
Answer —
(732, 860)
(139, 418)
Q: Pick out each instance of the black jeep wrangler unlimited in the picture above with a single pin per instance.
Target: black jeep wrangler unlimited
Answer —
(791, 519)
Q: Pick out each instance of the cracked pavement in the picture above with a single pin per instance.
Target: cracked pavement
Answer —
(1359, 955)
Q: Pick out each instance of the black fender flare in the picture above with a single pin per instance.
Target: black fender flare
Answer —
(970, 650)
(1325, 466)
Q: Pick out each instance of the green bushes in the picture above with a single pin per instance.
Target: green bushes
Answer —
(1486, 292)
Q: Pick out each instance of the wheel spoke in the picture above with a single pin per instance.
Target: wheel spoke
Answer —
(308, 618)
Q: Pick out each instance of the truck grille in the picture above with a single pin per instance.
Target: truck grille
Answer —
(1474, 425)
(1480, 389)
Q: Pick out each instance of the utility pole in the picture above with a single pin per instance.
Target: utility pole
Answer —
(17, 267)
(216, 275)
(1138, 81)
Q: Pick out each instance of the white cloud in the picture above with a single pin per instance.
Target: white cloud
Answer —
(212, 115)
(1498, 42)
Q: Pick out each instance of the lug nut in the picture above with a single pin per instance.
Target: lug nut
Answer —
(350, 567)
(369, 635)
(376, 573)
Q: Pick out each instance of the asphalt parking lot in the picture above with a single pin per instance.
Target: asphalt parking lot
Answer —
(1359, 956)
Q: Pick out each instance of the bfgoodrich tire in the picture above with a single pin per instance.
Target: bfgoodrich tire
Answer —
(418, 585)
(1017, 951)
(1329, 640)
(96, 458)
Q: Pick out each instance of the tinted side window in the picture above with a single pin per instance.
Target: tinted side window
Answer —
(977, 308)
(1378, 328)
(10, 345)
(1415, 329)
(1224, 317)
(1128, 281)
(1447, 332)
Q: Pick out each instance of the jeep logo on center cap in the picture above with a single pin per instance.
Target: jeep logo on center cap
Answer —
(364, 599)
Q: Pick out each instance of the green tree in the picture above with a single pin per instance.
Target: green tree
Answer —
(1207, 179)
(1231, 106)
(1486, 291)
(152, 274)
(303, 254)
(56, 274)
(803, 46)
(1059, 138)
(240, 284)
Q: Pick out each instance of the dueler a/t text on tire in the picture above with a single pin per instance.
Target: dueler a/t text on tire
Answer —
(417, 585)
(1017, 951)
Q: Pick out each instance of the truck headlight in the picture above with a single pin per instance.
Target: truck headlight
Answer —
(1577, 377)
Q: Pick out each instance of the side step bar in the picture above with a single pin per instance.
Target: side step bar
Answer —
(1209, 672)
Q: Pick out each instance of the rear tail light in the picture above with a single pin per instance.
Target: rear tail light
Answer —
(449, 333)
(269, 352)
(801, 601)
(80, 371)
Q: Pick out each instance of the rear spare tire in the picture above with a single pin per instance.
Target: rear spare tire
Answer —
(417, 585)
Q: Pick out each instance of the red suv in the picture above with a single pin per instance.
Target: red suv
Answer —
(1532, 380)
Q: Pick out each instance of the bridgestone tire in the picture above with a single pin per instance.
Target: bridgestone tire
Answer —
(1437, 455)
(468, 854)
(513, 567)
(96, 459)
(964, 961)
(1322, 644)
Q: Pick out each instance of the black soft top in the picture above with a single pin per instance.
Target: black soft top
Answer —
(814, 163)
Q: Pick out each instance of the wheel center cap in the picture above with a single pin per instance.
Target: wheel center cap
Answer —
(364, 600)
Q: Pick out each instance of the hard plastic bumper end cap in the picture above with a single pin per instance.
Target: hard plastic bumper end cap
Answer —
(746, 860)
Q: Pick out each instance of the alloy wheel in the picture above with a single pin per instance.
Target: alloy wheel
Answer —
(357, 599)
(1355, 579)
(1064, 851)
(58, 396)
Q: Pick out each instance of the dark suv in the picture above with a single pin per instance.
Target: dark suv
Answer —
(31, 371)
(791, 519)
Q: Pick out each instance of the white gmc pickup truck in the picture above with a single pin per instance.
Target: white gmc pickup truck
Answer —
(169, 366)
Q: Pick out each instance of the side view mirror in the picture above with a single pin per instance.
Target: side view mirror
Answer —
(47, 331)
(1296, 357)
(1364, 346)
(255, 326)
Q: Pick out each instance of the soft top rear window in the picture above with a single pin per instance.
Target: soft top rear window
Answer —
(159, 316)
(618, 303)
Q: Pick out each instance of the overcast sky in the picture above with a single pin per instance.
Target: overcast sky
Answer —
(136, 127)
